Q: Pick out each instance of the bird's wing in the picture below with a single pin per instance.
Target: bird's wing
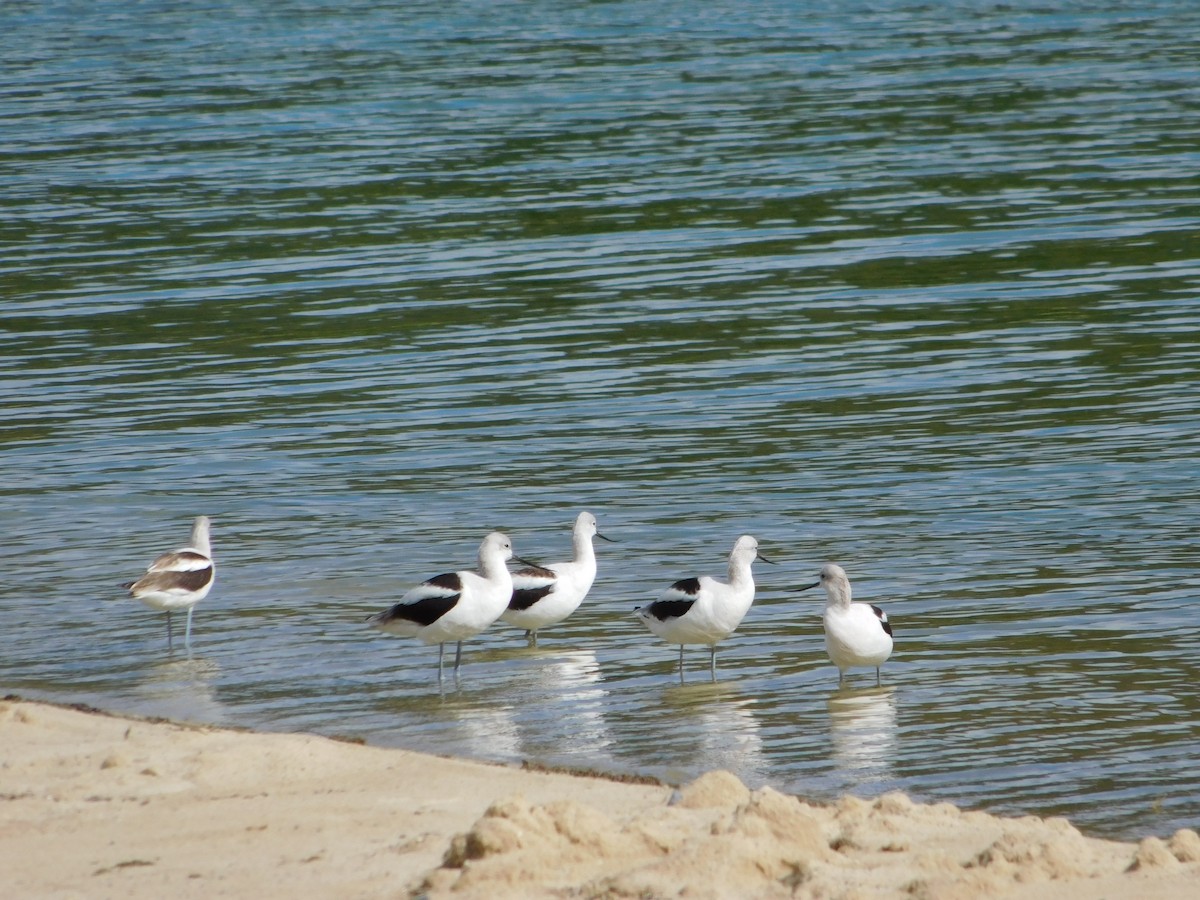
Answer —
(427, 602)
(181, 561)
(530, 585)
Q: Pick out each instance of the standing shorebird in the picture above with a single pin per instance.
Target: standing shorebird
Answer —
(457, 605)
(705, 610)
(179, 579)
(856, 634)
(546, 596)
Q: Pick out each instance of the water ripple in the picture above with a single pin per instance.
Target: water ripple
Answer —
(912, 289)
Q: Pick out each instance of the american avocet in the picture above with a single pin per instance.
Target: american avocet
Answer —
(856, 634)
(546, 596)
(705, 610)
(179, 579)
(457, 605)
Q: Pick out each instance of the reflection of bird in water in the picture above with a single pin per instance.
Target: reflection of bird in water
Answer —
(730, 737)
(181, 689)
(544, 596)
(487, 731)
(564, 705)
(552, 707)
(721, 728)
(863, 726)
(856, 634)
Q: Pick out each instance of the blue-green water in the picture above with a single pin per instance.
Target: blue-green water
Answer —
(911, 287)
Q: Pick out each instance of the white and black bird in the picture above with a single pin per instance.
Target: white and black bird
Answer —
(545, 596)
(856, 634)
(179, 579)
(705, 610)
(457, 605)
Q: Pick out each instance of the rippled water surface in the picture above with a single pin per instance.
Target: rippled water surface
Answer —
(911, 287)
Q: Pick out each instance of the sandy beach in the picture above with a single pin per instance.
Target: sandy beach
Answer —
(98, 805)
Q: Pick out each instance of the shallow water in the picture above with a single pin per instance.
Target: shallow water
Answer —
(909, 287)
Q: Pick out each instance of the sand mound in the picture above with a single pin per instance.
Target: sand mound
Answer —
(718, 839)
(768, 839)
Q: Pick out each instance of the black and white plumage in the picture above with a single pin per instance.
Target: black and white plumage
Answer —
(544, 596)
(705, 610)
(179, 579)
(457, 605)
(856, 634)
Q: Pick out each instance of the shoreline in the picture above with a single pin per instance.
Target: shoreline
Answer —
(99, 804)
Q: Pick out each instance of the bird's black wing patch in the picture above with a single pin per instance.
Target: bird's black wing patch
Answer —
(669, 609)
(450, 582)
(689, 586)
(526, 597)
(883, 619)
(173, 580)
(424, 611)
